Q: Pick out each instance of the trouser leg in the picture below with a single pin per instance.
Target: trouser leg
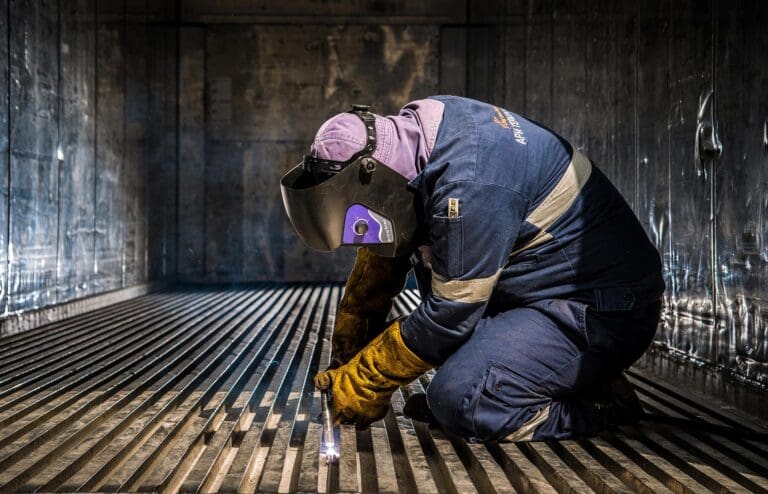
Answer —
(523, 376)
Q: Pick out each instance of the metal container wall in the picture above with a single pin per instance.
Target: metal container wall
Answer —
(267, 89)
(87, 149)
(741, 190)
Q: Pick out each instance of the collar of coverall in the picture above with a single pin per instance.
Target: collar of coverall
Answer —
(403, 142)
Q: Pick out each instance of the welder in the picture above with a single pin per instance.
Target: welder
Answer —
(539, 285)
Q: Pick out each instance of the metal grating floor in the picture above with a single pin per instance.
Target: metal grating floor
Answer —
(210, 390)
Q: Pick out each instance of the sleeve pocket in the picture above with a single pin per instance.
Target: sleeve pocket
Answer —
(447, 235)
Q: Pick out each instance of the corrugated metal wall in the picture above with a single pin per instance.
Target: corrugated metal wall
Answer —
(269, 81)
(87, 148)
(257, 79)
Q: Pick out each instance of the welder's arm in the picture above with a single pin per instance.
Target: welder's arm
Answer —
(371, 287)
(473, 230)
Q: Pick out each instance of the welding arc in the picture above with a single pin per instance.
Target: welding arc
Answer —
(688, 423)
(328, 446)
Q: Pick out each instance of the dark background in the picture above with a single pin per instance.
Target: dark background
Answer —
(143, 141)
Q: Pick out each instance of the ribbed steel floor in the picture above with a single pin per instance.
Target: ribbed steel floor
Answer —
(210, 390)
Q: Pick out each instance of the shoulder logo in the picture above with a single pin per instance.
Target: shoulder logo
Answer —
(500, 119)
(506, 120)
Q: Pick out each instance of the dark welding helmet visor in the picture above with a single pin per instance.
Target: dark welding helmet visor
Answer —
(357, 202)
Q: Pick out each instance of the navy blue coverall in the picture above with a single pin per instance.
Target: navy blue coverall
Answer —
(540, 283)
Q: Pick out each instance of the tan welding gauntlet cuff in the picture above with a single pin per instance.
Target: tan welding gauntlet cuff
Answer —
(361, 388)
(387, 361)
(371, 287)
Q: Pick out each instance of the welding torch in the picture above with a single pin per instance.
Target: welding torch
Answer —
(328, 447)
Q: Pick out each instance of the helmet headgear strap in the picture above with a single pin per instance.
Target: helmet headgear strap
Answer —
(318, 166)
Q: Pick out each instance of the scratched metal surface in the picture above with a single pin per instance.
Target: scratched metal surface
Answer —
(33, 174)
(253, 96)
(75, 253)
(312, 12)
(209, 389)
(740, 194)
(707, 219)
(87, 156)
(4, 158)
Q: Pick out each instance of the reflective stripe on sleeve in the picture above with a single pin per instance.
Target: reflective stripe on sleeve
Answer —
(559, 200)
(467, 291)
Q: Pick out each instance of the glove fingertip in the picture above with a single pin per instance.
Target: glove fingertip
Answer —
(322, 380)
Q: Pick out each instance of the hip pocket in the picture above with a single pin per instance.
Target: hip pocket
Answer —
(505, 386)
(504, 402)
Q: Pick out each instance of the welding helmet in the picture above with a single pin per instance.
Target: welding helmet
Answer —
(360, 201)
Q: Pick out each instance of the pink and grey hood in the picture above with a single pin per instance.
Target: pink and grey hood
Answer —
(404, 141)
(352, 188)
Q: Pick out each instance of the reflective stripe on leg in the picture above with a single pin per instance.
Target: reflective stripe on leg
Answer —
(526, 431)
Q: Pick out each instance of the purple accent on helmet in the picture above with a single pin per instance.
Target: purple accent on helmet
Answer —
(363, 226)
(403, 142)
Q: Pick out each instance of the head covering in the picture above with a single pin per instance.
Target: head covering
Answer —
(403, 142)
(331, 203)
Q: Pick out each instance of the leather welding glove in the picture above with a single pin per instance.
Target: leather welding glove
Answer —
(371, 287)
(361, 388)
